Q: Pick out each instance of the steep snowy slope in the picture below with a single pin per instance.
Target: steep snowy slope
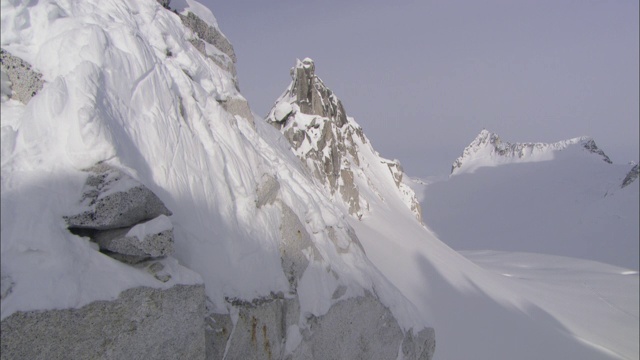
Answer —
(560, 199)
(479, 312)
(135, 87)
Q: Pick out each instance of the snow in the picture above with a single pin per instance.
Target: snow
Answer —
(154, 226)
(282, 110)
(513, 220)
(572, 206)
(488, 150)
(112, 94)
(480, 313)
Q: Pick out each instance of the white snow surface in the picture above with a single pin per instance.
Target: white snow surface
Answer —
(514, 219)
(151, 227)
(112, 95)
(487, 150)
(572, 205)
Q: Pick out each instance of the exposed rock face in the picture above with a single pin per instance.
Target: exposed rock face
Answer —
(25, 82)
(295, 241)
(119, 209)
(143, 323)
(632, 175)
(343, 333)
(353, 328)
(419, 346)
(206, 33)
(313, 97)
(211, 43)
(322, 142)
(237, 106)
(489, 145)
(261, 329)
(591, 146)
(315, 122)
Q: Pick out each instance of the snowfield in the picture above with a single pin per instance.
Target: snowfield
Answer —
(124, 86)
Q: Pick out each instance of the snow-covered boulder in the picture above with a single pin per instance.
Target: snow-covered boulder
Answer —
(115, 200)
(146, 240)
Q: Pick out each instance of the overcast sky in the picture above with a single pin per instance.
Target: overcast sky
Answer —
(424, 77)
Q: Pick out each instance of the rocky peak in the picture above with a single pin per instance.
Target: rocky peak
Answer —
(312, 96)
(315, 122)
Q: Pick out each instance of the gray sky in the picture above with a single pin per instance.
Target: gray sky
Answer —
(424, 77)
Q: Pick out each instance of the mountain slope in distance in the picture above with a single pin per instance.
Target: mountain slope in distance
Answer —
(559, 198)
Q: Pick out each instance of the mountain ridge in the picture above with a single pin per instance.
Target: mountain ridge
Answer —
(488, 149)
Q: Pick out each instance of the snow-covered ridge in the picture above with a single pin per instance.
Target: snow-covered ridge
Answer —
(127, 85)
(334, 147)
(487, 149)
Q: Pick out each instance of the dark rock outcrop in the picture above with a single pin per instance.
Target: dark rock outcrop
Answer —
(127, 220)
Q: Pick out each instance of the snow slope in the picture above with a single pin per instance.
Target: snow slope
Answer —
(572, 204)
(478, 312)
(563, 200)
(123, 86)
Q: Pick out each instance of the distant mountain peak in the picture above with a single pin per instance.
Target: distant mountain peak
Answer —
(332, 145)
(487, 149)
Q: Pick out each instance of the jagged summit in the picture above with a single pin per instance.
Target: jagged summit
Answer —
(487, 149)
(333, 146)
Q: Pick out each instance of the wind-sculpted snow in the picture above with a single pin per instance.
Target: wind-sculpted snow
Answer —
(125, 88)
(487, 149)
(333, 145)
